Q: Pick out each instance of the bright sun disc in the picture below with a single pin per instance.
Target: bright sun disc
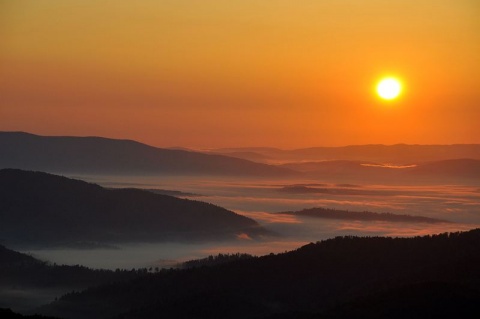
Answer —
(389, 88)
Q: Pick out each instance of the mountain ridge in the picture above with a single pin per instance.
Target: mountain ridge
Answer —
(100, 155)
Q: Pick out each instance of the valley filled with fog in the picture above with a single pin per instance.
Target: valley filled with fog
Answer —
(80, 213)
(264, 200)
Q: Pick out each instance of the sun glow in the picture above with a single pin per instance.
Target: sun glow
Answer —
(389, 88)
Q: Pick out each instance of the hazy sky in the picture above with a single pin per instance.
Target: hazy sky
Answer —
(216, 73)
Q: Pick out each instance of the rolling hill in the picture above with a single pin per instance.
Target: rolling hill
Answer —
(38, 208)
(328, 213)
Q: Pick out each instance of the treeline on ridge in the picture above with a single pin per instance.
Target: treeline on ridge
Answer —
(319, 280)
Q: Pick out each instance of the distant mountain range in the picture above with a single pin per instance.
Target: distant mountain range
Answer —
(368, 163)
(394, 154)
(346, 277)
(39, 208)
(97, 155)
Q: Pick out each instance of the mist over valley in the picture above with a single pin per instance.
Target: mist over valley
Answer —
(110, 215)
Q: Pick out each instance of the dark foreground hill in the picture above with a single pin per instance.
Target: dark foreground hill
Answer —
(346, 277)
(38, 208)
(96, 155)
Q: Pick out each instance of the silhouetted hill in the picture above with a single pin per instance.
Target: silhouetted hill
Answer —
(172, 192)
(396, 154)
(318, 279)
(96, 155)
(10, 258)
(329, 213)
(38, 208)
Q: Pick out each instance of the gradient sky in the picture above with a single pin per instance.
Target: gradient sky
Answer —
(216, 73)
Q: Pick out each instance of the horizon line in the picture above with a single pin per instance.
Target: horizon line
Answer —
(239, 148)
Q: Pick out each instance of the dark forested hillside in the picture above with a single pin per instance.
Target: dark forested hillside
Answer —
(38, 208)
(345, 277)
(14, 259)
(96, 155)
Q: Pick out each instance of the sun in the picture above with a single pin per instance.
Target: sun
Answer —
(389, 88)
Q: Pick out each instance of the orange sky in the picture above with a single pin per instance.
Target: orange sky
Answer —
(221, 73)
